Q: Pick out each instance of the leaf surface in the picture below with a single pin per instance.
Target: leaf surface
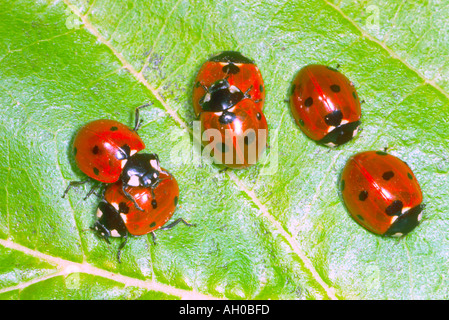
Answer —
(275, 231)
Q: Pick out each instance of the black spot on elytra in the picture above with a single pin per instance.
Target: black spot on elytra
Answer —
(197, 84)
(231, 68)
(154, 203)
(354, 95)
(153, 224)
(409, 175)
(75, 151)
(261, 88)
(363, 195)
(342, 185)
(114, 128)
(96, 171)
(258, 116)
(123, 208)
(226, 117)
(388, 175)
(381, 153)
(308, 102)
(95, 150)
(333, 69)
(335, 88)
(334, 118)
(301, 122)
(360, 217)
(395, 208)
(176, 201)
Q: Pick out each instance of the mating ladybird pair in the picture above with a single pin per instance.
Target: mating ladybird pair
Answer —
(228, 97)
(140, 196)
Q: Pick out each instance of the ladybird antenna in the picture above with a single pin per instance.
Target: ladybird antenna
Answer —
(204, 87)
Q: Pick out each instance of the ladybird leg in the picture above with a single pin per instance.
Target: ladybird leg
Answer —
(153, 237)
(245, 94)
(137, 121)
(223, 170)
(92, 191)
(130, 197)
(74, 184)
(174, 223)
(119, 252)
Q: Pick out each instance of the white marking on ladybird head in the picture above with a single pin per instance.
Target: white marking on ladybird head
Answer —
(115, 205)
(330, 144)
(330, 129)
(114, 233)
(393, 219)
(123, 163)
(99, 214)
(132, 152)
(206, 97)
(124, 217)
(405, 209)
(154, 163)
(344, 121)
(233, 89)
(134, 181)
(419, 217)
(354, 133)
(397, 235)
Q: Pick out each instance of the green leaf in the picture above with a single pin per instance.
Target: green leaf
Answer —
(275, 231)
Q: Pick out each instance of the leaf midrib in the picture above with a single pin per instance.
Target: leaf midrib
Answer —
(65, 267)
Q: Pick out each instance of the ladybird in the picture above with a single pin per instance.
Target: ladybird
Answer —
(108, 151)
(102, 148)
(381, 193)
(325, 105)
(232, 126)
(117, 215)
(238, 70)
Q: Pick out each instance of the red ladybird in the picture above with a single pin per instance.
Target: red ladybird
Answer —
(102, 148)
(119, 217)
(238, 70)
(233, 125)
(381, 193)
(325, 105)
(108, 151)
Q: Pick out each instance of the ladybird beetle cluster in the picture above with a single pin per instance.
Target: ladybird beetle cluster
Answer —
(379, 190)
(139, 196)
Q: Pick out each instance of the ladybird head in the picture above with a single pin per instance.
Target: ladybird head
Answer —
(341, 134)
(142, 169)
(221, 96)
(406, 222)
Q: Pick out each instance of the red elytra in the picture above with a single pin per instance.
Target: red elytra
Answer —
(238, 70)
(102, 147)
(158, 205)
(239, 134)
(381, 193)
(325, 105)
